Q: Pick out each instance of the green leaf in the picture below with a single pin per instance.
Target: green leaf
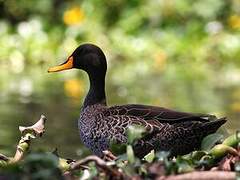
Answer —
(92, 170)
(222, 130)
(162, 155)
(183, 166)
(117, 148)
(63, 164)
(46, 159)
(143, 170)
(211, 140)
(150, 156)
(3, 163)
(221, 150)
(41, 166)
(195, 155)
(206, 160)
(232, 140)
(134, 132)
(122, 157)
(130, 154)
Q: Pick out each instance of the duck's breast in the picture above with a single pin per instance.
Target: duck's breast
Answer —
(90, 129)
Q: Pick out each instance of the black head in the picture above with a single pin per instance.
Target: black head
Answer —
(87, 57)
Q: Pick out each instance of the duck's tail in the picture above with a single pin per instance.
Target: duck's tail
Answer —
(213, 126)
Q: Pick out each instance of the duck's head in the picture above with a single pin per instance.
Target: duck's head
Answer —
(87, 57)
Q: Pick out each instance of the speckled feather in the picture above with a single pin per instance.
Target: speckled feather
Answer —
(177, 132)
(168, 130)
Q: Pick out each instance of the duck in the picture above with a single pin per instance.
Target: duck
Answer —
(166, 130)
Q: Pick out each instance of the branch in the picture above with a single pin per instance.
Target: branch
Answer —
(3, 157)
(28, 133)
(37, 129)
(202, 175)
(109, 156)
(99, 163)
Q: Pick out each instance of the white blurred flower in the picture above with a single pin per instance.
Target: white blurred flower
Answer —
(213, 27)
(36, 25)
(25, 87)
(17, 61)
(14, 41)
(231, 76)
(27, 29)
(139, 44)
(231, 43)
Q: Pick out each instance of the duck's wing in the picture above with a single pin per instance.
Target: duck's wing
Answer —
(157, 114)
(162, 126)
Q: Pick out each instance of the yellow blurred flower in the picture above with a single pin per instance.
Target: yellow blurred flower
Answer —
(73, 16)
(234, 21)
(74, 88)
(235, 107)
(160, 60)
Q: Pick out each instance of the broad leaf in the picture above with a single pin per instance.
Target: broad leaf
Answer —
(211, 140)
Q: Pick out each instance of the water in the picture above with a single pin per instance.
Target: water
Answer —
(25, 96)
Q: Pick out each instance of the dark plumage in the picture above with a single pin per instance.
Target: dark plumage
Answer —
(177, 132)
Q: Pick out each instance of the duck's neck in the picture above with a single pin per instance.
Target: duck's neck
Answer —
(96, 93)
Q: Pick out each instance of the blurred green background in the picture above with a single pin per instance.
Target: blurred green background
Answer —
(183, 55)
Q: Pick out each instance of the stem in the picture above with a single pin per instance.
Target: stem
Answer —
(3, 157)
(99, 163)
(28, 133)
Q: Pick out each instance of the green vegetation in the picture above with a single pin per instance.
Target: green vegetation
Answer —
(41, 165)
(178, 54)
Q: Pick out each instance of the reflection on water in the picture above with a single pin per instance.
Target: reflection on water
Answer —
(26, 96)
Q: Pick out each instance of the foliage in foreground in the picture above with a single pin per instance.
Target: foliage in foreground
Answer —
(185, 52)
(217, 154)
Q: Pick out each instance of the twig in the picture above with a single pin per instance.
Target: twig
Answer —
(28, 133)
(109, 156)
(38, 128)
(3, 157)
(99, 163)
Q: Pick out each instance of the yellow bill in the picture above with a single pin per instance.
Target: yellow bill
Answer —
(67, 65)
